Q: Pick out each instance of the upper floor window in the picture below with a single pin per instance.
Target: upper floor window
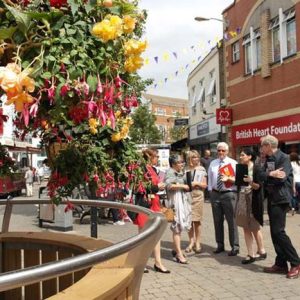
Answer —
(236, 52)
(193, 100)
(160, 111)
(283, 29)
(252, 48)
(212, 92)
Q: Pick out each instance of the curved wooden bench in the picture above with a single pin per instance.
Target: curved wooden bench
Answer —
(117, 278)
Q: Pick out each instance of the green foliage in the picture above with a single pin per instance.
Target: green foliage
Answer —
(144, 130)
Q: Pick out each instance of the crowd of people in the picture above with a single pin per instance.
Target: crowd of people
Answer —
(237, 191)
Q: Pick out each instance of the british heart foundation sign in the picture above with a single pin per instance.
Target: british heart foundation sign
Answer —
(224, 116)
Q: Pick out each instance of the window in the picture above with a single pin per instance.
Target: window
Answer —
(193, 100)
(252, 47)
(236, 52)
(283, 29)
(175, 113)
(212, 92)
(160, 111)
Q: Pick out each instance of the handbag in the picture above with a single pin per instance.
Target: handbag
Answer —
(168, 212)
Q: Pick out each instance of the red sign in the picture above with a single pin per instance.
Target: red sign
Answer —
(285, 129)
(224, 116)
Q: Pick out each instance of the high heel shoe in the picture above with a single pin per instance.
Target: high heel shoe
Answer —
(184, 262)
(157, 269)
(189, 249)
(197, 250)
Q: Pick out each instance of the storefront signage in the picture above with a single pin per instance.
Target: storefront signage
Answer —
(285, 129)
(181, 122)
(224, 116)
(203, 128)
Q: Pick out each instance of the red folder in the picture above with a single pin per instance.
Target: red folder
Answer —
(228, 171)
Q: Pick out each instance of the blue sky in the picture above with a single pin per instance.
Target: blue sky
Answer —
(171, 28)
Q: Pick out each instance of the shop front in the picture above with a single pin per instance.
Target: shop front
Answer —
(205, 135)
(286, 129)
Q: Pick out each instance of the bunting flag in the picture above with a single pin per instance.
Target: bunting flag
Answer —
(166, 56)
(204, 47)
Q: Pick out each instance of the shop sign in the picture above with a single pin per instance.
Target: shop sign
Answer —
(224, 116)
(285, 129)
(204, 128)
(181, 122)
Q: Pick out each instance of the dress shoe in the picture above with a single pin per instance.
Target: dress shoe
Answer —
(262, 256)
(233, 252)
(219, 250)
(157, 269)
(248, 260)
(276, 270)
(294, 272)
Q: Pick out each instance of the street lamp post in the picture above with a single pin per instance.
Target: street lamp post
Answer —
(201, 19)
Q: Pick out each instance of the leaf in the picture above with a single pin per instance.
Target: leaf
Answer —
(44, 15)
(22, 19)
(46, 75)
(92, 82)
(7, 33)
(74, 6)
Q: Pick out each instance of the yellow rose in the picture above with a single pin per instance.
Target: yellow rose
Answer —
(19, 101)
(116, 137)
(133, 63)
(129, 24)
(134, 47)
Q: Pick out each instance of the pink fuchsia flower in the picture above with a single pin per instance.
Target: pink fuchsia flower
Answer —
(64, 90)
(141, 189)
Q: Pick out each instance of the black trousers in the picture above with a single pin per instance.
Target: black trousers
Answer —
(223, 205)
(282, 244)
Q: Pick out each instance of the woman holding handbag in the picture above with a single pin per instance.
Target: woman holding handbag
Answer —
(198, 183)
(151, 157)
(177, 188)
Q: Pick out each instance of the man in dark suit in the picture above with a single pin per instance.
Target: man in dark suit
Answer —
(278, 178)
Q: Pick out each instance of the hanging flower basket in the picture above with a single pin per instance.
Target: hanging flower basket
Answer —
(53, 150)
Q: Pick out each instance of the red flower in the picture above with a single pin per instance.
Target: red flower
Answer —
(64, 90)
(58, 3)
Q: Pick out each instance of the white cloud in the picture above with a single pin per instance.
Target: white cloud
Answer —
(171, 27)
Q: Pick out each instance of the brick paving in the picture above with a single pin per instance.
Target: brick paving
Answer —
(207, 276)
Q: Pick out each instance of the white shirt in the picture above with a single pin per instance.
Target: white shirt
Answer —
(213, 171)
(296, 171)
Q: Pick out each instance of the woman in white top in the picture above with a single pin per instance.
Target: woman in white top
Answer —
(296, 184)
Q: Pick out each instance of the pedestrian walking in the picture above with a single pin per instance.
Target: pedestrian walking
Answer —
(278, 178)
(29, 182)
(223, 196)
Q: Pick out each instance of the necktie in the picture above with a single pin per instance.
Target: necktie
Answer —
(219, 181)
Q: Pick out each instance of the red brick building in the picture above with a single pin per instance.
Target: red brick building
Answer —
(262, 64)
(166, 110)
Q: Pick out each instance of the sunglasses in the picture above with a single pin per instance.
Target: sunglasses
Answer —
(221, 150)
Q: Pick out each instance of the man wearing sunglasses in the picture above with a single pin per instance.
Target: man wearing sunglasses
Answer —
(223, 198)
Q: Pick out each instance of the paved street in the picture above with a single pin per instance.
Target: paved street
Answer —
(207, 276)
